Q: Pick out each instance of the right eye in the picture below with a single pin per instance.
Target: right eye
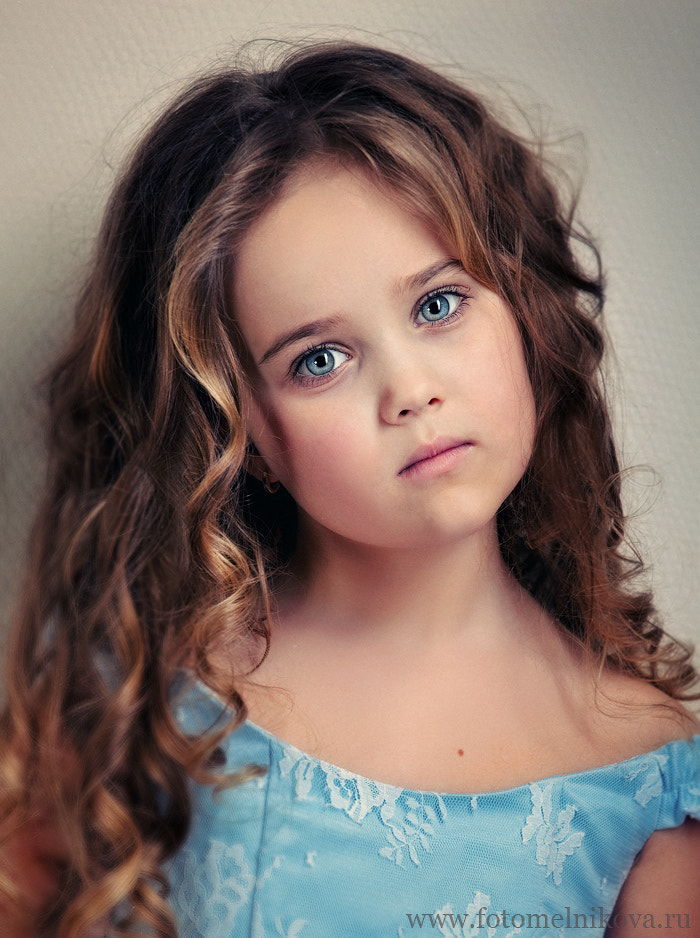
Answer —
(319, 362)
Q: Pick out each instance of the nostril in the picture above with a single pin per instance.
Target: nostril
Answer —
(403, 413)
(433, 400)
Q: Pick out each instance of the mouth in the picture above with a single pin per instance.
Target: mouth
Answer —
(437, 457)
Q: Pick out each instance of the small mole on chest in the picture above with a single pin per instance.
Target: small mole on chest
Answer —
(460, 752)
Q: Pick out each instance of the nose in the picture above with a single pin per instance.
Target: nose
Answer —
(408, 388)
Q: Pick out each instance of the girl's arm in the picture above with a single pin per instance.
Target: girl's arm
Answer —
(664, 882)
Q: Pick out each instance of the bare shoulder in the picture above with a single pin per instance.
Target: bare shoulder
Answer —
(639, 717)
(664, 882)
(663, 886)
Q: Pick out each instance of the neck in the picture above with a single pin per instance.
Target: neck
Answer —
(416, 594)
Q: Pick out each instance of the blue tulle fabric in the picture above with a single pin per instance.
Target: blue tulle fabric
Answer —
(312, 850)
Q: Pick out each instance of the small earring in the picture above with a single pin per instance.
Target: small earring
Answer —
(270, 484)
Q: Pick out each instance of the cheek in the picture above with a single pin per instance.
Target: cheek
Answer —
(324, 472)
(509, 403)
(526, 406)
(520, 417)
(306, 449)
(321, 457)
(528, 427)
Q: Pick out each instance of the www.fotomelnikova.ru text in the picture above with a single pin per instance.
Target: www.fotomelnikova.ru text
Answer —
(596, 918)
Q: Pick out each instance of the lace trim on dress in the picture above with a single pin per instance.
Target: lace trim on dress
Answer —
(410, 818)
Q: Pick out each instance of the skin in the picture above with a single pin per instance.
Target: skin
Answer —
(398, 588)
(398, 614)
(665, 882)
(339, 442)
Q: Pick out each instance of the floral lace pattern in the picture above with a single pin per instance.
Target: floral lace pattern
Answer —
(310, 850)
(554, 837)
(652, 786)
(410, 817)
(212, 889)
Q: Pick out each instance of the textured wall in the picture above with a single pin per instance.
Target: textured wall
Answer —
(79, 78)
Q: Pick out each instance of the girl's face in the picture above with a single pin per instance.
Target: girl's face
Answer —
(390, 392)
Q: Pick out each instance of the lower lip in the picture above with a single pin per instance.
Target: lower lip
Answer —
(437, 465)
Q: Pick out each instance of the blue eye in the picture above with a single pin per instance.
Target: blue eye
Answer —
(438, 306)
(319, 362)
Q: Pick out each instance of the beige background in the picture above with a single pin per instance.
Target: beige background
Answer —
(79, 78)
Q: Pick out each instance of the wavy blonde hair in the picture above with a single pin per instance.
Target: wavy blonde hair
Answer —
(153, 545)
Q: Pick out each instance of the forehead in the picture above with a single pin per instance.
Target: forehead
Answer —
(324, 204)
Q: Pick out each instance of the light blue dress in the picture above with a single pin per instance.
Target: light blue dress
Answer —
(312, 850)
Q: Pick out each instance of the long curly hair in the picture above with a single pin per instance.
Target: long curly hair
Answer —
(153, 546)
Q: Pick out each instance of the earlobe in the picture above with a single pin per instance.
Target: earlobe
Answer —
(256, 466)
(270, 482)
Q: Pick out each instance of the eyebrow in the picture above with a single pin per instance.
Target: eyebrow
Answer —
(308, 330)
(423, 277)
(404, 285)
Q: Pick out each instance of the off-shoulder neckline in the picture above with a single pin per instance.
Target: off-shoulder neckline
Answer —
(330, 767)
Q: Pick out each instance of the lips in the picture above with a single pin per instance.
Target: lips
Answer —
(441, 453)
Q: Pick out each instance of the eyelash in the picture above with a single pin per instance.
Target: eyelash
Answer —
(463, 293)
(312, 350)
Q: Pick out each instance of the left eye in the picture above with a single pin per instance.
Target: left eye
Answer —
(320, 362)
(439, 306)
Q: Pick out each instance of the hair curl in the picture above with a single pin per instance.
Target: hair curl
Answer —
(152, 550)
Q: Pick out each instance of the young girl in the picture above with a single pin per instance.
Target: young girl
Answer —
(330, 627)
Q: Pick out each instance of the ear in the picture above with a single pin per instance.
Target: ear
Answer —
(256, 466)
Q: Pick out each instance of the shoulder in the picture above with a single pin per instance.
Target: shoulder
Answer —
(665, 878)
(636, 717)
(664, 882)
